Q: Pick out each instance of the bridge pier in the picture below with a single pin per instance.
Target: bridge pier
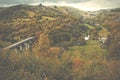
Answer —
(21, 48)
(26, 46)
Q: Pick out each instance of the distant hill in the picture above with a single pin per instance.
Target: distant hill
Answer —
(109, 18)
(21, 11)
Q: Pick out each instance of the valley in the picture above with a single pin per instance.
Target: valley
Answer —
(69, 44)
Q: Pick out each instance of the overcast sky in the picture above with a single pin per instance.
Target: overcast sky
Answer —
(88, 5)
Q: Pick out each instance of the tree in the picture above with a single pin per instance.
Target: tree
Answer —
(114, 44)
(43, 42)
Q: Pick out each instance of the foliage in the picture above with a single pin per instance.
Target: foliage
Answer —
(74, 64)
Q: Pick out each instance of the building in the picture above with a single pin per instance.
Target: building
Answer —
(87, 38)
(102, 39)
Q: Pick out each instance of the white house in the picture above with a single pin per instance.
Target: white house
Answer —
(87, 38)
(102, 39)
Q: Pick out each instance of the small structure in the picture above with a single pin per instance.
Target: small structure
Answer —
(102, 39)
(87, 37)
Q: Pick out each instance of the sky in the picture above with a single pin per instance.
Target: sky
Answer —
(87, 5)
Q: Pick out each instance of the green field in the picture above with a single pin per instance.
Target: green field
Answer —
(91, 50)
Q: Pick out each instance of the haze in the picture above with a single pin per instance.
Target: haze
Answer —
(87, 5)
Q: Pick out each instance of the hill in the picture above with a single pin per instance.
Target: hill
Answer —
(21, 21)
(110, 19)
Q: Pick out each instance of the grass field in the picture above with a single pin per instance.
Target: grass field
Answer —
(90, 51)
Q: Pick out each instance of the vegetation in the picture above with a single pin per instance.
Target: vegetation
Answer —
(110, 20)
(60, 51)
(80, 62)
